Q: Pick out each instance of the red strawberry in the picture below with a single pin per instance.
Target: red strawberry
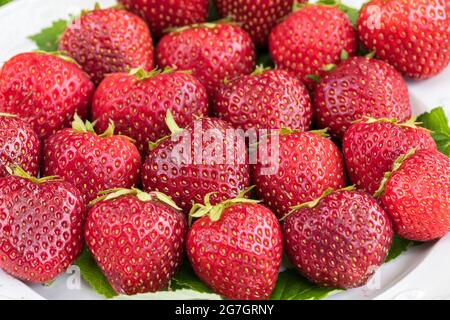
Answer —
(271, 99)
(412, 35)
(207, 156)
(19, 145)
(45, 90)
(371, 147)
(214, 52)
(137, 103)
(137, 239)
(296, 169)
(236, 248)
(164, 14)
(41, 226)
(339, 241)
(92, 162)
(360, 87)
(416, 195)
(311, 38)
(257, 18)
(108, 41)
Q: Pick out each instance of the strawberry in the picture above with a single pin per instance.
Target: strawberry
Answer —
(371, 147)
(411, 35)
(45, 90)
(359, 87)
(108, 41)
(268, 99)
(257, 18)
(236, 248)
(164, 14)
(338, 240)
(92, 162)
(19, 145)
(137, 239)
(137, 103)
(311, 38)
(207, 156)
(295, 167)
(416, 195)
(41, 226)
(213, 51)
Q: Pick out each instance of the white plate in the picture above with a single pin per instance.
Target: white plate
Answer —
(421, 273)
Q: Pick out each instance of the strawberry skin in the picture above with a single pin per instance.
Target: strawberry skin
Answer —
(239, 255)
(417, 196)
(371, 148)
(138, 106)
(274, 99)
(257, 18)
(138, 245)
(360, 87)
(307, 165)
(41, 228)
(340, 242)
(310, 39)
(44, 90)
(108, 41)
(189, 173)
(19, 145)
(411, 35)
(92, 163)
(163, 14)
(213, 52)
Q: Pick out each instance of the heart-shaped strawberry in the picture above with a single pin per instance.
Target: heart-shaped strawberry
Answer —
(41, 226)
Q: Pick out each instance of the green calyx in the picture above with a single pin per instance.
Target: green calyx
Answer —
(288, 131)
(214, 212)
(17, 171)
(112, 194)
(344, 55)
(83, 127)
(370, 55)
(314, 78)
(328, 3)
(86, 11)
(60, 55)
(411, 123)
(173, 127)
(314, 203)
(260, 70)
(141, 74)
(397, 164)
(207, 25)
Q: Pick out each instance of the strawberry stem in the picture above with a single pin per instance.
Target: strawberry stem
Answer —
(171, 124)
(17, 171)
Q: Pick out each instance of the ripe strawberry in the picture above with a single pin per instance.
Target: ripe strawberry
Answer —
(164, 14)
(412, 35)
(236, 248)
(19, 145)
(41, 226)
(45, 90)
(137, 103)
(311, 38)
(339, 241)
(371, 147)
(137, 239)
(417, 195)
(360, 87)
(296, 169)
(207, 156)
(271, 99)
(257, 19)
(108, 41)
(92, 162)
(214, 53)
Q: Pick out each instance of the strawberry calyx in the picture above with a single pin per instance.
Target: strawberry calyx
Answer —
(312, 204)
(17, 171)
(260, 69)
(411, 123)
(97, 6)
(141, 74)
(397, 164)
(327, 3)
(88, 127)
(8, 115)
(207, 25)
(173, 127)
(112, 194)
(214, 212)
(60, 55)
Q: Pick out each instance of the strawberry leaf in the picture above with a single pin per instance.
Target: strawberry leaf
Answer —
(352, 13)
(92, 274)
(3, 2)
(186, 278)
(437, 122)
(399, 245)
(48, 38)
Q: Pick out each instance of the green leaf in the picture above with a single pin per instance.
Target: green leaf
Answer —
(186, 278)
(292, 286)
(437, 122)
(399, 245)
(264, 59)
(3, 2)
(352, 13)
(92, 274)
(47, 39)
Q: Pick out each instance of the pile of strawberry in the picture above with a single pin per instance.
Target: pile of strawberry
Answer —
(90, 144)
